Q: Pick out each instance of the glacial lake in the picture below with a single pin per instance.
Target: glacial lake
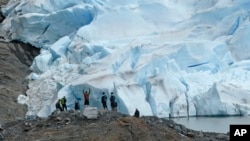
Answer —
(212, 124)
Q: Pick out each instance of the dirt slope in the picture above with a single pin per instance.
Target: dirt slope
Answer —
(109, 126)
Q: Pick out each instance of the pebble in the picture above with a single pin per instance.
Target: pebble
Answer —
(1, 127)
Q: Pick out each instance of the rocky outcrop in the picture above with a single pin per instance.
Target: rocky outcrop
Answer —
(90, 112)
(15, 59)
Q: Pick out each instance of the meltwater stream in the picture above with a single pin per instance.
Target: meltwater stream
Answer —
(212, 124)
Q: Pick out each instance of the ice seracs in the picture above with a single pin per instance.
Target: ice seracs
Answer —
(163, 57)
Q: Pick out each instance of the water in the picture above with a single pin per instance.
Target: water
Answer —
(212, 124)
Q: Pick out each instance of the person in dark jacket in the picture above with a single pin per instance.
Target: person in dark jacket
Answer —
(104, 101)
(58, 105)
(113, 102)
(77, 105)
(137, 113)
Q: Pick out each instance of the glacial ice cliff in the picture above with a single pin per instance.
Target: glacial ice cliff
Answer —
(164, 57)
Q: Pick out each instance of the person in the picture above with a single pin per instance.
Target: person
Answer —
(137, 113)
(58, 105)
(113, 102)
(86, 97)
(77, 105)
(104, 101)
(63, 102)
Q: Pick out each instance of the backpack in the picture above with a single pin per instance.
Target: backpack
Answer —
(63, 101)
(104, 98)
(112, 99)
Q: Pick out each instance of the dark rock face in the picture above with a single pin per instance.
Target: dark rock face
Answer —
(2, 3)
(15, 59)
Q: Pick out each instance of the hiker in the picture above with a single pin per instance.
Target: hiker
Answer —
(77, 105)
(63, 102)
(58, 105)
(104, 101)
(113, 102)
(137, 113)
(86, 97)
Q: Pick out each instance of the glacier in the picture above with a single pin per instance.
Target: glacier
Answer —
(163, 57)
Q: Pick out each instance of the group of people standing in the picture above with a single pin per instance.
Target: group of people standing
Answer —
(103, 100)
(61, 103)
(112, 101)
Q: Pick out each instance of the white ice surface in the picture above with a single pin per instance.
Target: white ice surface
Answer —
(164, 57)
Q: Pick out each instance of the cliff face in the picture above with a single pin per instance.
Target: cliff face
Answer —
(15, 59)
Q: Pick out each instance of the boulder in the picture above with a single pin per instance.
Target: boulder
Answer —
(58, 118)
(190, 134)
(90, 112)
(177, 128)
(222, 137)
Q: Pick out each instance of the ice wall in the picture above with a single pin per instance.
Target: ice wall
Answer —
(164, 57)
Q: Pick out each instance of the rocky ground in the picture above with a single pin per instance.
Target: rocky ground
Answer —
(109, 126)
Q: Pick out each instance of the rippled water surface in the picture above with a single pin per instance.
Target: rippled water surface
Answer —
(212, 124)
